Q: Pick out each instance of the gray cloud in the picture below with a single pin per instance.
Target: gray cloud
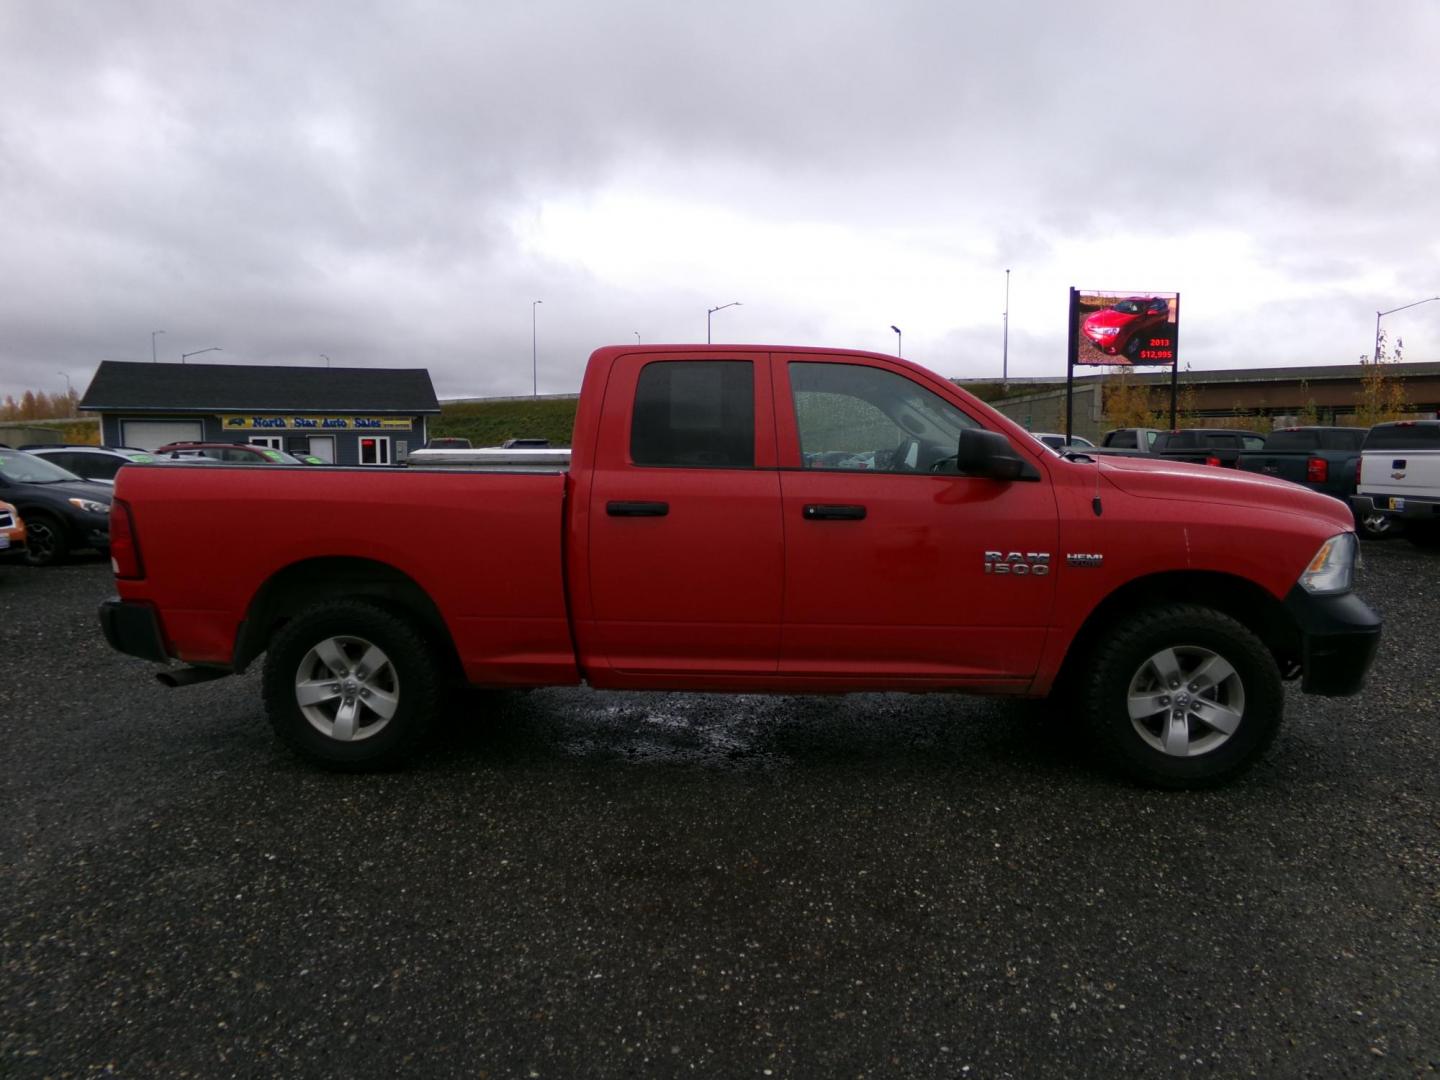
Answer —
(287, 180)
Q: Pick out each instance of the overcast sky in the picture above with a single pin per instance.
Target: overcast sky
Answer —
(394, 183)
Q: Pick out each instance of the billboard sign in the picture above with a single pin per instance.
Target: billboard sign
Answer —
(1131, 329)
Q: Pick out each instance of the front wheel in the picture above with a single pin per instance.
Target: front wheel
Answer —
(1183, 697)
(351, 686)
(46, 543)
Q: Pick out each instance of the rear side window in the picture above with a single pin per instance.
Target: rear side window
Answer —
(97, 466)
(1292, 440)
(1121, 440)
(695, 414)
(1404, 437)
(1342, 439)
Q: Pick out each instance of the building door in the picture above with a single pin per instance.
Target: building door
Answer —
(323, 447)
(375, 450)
(148, 434)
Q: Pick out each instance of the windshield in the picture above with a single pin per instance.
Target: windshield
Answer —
(21, 468)
(1128, 307)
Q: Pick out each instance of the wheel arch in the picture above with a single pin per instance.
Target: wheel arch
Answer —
(302, 585)
(1237, 597)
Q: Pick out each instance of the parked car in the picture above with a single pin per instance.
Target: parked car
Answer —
(1322, 458)
(62, 511)
(1117, 330)
(1056, 441)
(1196, 446)
(12, 530)
(229, 453)
(1399, 477)
(1130, 438)
(447, 442)
(97, 463)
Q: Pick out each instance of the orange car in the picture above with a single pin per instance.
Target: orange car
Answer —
(12, 529)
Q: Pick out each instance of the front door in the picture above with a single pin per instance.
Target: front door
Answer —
(896, 567)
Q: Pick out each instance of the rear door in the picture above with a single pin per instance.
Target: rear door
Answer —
(896, 567)
(685, 548)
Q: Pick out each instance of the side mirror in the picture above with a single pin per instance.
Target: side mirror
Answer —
(988, 453)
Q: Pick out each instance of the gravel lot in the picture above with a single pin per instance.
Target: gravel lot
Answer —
(583, 884)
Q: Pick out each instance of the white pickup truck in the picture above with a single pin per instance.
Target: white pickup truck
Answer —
(1400, 477)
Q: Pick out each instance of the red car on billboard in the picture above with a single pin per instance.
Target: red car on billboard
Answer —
(1118, 330)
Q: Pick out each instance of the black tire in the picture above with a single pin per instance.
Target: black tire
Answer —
(1426, 535)
(1376, 526)
(1177, 739)
(343, 724)
(46, 543)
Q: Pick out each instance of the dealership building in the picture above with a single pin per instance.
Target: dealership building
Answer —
(349, 416)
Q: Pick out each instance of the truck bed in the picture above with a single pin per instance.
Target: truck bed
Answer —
(485, 546)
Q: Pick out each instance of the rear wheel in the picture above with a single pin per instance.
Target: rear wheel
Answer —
(351, 685)
(1376, 526)
(1183, 697)
(45, 544)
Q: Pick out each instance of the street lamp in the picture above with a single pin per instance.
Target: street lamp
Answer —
(1375, 356)
(637, 337)
(152, 343)
(69, 388)
(711, 311)
(534, 353)
(325, 358)
(1005, 343)
(899, 341)
(197, 352)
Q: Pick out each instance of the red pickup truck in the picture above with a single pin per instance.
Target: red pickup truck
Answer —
(756, 519)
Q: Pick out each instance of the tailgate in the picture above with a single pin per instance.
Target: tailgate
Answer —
(1413, 473)
(1292, 467)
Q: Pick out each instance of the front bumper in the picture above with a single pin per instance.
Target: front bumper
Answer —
(1338, 639)
(1412, 509)
(133, 628)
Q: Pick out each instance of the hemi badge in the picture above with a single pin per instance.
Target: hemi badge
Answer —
(1085, 560)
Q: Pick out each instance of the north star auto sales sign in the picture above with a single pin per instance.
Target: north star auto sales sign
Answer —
(316, 423)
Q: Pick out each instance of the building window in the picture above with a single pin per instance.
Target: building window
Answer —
(375, 450)
(274, 442)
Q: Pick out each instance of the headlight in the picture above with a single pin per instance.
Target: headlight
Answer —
(1104, 331)
(90, 506)
(1332, 570)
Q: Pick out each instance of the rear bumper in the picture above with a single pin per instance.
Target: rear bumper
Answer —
(1338, 636)
(1412, 508)
(133, 628)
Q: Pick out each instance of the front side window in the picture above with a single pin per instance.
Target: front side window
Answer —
(861, 418)
(697, 414)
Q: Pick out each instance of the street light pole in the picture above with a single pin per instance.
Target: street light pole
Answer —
(152, 343)
(1375, 356)
(325, 358)
(899, 341)
(637, 337)
(711, 311)
(534, 353)
(1005, 347)
(197, 352)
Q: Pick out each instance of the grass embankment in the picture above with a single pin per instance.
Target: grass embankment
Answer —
(490, 423)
